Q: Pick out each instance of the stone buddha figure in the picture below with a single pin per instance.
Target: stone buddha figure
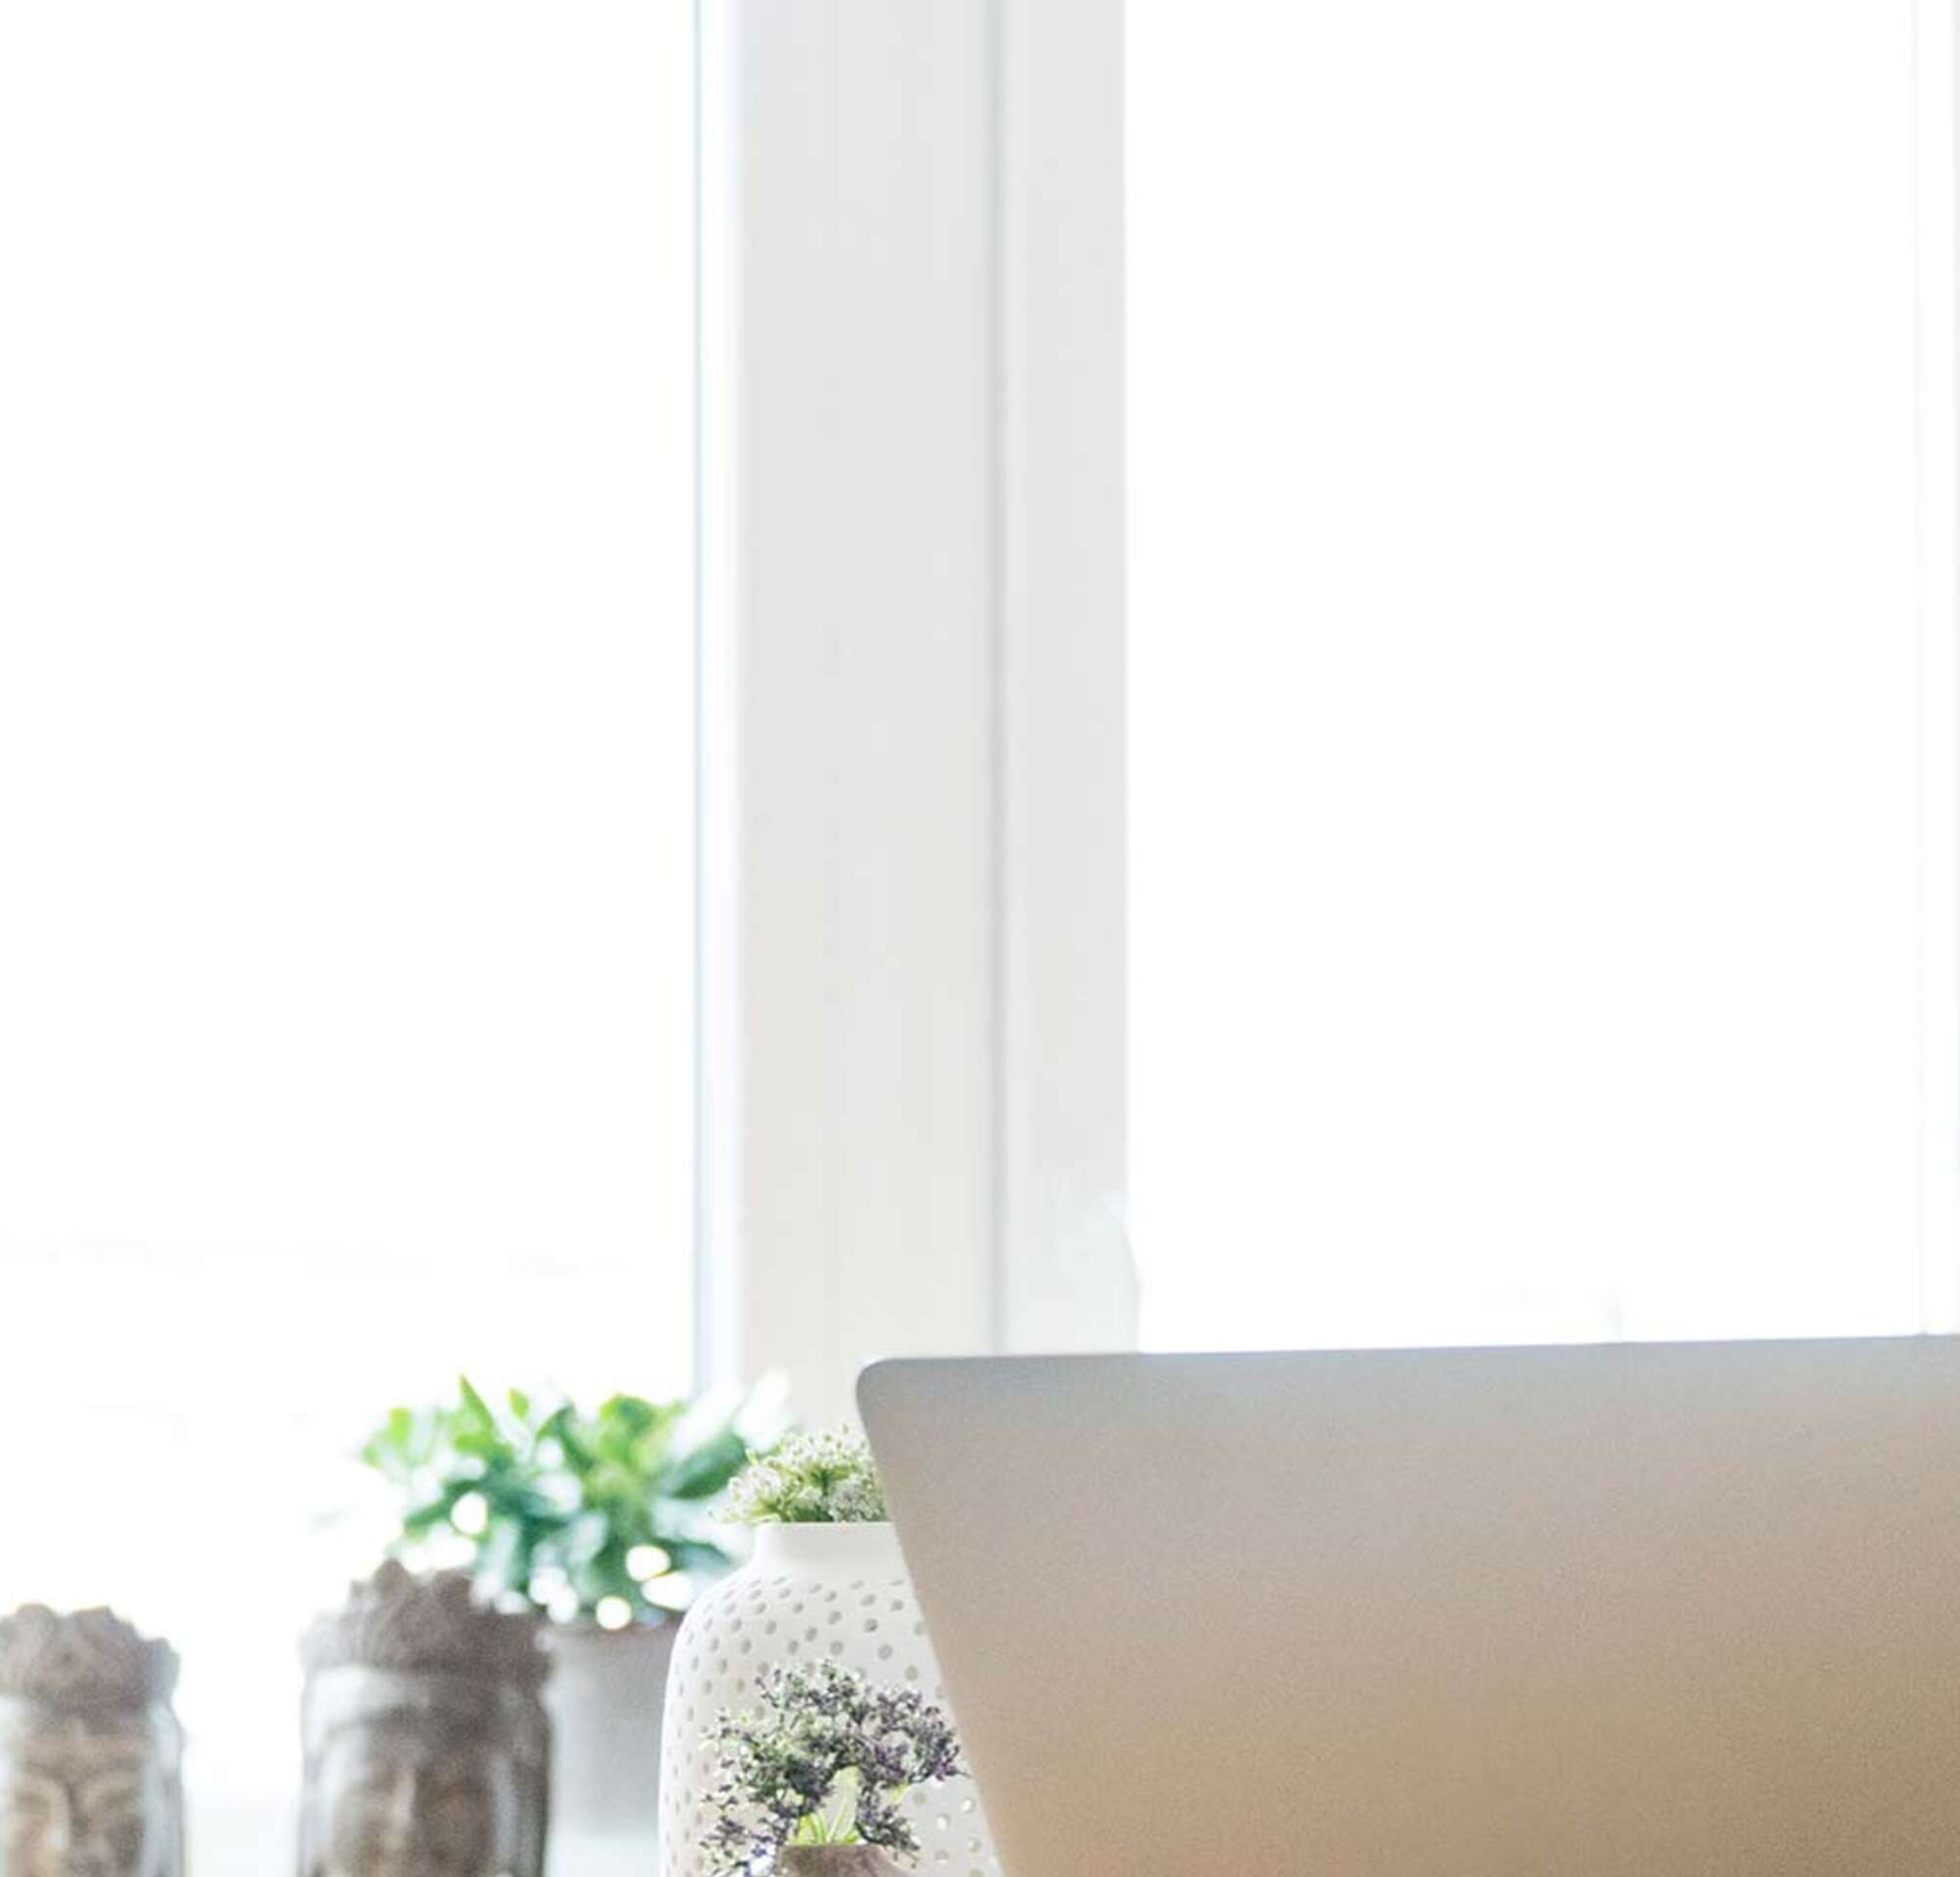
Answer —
(90, 1753)
(427, 1750)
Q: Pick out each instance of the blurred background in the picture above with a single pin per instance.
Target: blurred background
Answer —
(1538, 828)
(346, 783)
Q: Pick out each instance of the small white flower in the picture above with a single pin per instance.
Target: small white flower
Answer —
(823, 1478)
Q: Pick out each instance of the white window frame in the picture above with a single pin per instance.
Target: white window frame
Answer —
(912, 937)
(1936, 218)
(913, 952)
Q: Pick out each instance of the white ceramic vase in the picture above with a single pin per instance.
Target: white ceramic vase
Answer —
(604, 1697)
(811, 1592)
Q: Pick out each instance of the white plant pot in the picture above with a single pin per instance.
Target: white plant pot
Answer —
(811, 1592)
(604, 1697)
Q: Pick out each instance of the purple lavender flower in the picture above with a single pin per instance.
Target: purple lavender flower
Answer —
(826, 1761)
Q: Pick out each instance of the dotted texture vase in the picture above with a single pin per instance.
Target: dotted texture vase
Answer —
(824, 1593)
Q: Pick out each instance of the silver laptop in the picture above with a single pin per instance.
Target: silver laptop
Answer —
(1687, 1610)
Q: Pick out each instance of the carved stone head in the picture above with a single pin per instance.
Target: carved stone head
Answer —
(91, 1753)
(428, 1751)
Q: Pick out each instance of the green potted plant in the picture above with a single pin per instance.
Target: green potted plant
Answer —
(812, 1778)
(604, 1523)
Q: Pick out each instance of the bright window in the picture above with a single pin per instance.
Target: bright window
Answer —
(346, 775)
(1526, 720)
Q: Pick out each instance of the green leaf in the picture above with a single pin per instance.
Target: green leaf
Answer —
(420, 1520)
(561, 1426)
(695, 1555)
(474, 1408)
(391, 1448)
(586, 1537)
(502, 1559)
(708, 1469)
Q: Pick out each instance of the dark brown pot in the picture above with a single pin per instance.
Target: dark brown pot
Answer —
(835, 1861)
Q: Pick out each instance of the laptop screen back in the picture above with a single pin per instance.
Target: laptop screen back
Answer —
(1624, 1612)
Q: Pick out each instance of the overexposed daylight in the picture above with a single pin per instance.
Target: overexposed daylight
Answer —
(1001, 937)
